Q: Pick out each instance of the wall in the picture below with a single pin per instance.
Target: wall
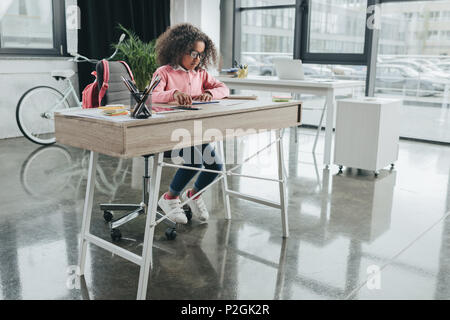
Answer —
(18, 74)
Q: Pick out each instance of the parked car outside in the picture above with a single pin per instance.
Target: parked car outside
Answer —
(342, 71)
(317, 71)
(422, 69)
(267, 66)
(394, 77)
(444, 67)
(429, 64)
(309, 70)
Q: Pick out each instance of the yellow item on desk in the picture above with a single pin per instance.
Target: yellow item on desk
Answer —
(113, 107)
(115, 112)
(243, 72)
(281, 99)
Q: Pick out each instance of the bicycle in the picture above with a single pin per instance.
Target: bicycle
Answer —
(35, 109)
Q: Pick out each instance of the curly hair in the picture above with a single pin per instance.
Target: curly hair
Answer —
(179, 40)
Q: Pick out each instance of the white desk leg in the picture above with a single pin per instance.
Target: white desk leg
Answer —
(281, 271)
(319, 127)
(224, 259)
(147, 250)
(329, 128)
(226, 196)
(87, 212)
(282, 184)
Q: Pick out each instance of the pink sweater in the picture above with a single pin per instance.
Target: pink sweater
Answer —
(193, 83)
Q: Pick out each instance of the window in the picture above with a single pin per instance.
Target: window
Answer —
(323, 31)
(434, 15)
(334, 32)
(346, 24)
(413, 50)
(432, 35)
(421, 58)
(32, 27)
(269, 34)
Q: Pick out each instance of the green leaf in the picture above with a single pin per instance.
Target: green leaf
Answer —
(139, 55)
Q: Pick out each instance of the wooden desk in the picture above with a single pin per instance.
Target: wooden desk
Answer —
(311, 86)
(154, 136)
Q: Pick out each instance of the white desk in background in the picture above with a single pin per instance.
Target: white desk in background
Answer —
(319, 87)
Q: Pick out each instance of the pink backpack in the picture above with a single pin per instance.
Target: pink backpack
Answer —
(94, 93)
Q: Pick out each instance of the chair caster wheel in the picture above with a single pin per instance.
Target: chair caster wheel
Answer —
(116, 235)
(171, 233)
(108, 216)
(376, 173)
(188, 212)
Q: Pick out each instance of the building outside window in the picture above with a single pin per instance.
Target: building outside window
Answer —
(32, 27)
(344, 22)
(261, 42)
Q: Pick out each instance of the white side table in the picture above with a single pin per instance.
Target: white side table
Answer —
(367, 133)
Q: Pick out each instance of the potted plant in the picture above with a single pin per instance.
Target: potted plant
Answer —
(140, 56)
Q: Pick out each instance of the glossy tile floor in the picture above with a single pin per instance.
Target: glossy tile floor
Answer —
(343, 228)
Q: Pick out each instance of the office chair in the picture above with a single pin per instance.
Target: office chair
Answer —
(117, 93)
(135, 210)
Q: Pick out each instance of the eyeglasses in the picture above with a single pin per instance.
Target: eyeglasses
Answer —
(195, 54)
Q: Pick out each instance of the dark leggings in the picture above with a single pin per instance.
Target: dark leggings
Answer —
(196, 157)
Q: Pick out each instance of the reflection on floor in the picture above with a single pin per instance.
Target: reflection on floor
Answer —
(343, 228)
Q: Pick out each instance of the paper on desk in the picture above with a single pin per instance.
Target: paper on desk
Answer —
(233, 102)
(224, 102)
(98, 114)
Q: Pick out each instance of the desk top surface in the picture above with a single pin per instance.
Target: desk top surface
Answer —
(316, 83)
(225, 107)
(128, 137)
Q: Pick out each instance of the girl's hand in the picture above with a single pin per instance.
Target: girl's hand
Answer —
(204, 97)
(182, 98)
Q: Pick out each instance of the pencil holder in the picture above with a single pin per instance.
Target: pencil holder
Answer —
(142, 109)
(132, 101)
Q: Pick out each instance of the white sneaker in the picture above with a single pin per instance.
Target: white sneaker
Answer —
(198, 206)
(167, 206)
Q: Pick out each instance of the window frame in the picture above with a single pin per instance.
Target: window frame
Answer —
(59, 36)
(306, 56)
(301, 36)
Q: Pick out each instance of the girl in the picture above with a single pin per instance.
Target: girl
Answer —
(184, 52)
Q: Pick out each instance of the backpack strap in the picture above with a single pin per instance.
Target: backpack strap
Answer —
(128, 69)
(105, 84)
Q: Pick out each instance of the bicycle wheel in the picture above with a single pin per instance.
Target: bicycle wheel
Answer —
(51, 165)
(35, 113)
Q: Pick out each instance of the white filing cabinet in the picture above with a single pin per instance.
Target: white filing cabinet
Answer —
(367, 133)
